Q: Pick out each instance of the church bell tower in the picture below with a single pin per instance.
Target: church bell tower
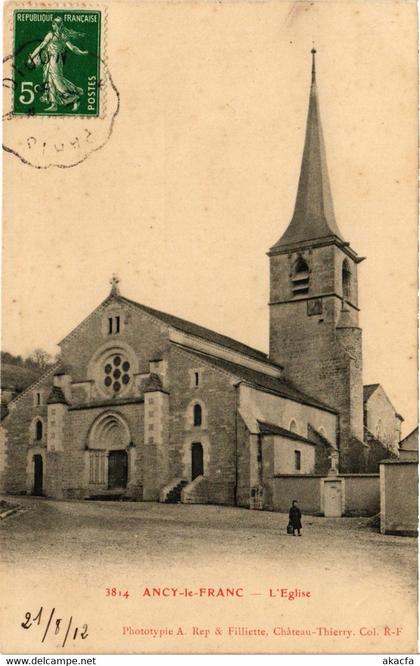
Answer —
(314, 313)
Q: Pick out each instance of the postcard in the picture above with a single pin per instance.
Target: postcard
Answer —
(209, 435)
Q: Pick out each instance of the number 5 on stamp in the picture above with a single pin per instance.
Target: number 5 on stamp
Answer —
(57, 58)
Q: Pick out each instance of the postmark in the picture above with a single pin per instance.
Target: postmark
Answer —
(57, 58)
(60, 100)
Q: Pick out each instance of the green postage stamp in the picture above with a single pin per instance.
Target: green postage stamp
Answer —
(57, 62)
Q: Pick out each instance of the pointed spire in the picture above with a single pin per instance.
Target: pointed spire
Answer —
(313, 217)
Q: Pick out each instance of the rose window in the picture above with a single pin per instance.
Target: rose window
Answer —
(116, 373)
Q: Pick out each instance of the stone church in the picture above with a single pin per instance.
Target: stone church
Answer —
(148, 406)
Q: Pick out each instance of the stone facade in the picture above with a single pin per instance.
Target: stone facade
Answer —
(314, 325)
(131, 412)
(216, 396)
(146, 406)
(359, 493)
(409, 446)
(399, 510)
(380, 417)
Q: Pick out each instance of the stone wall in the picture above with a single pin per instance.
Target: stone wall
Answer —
(66, 472)
(244, 482)
(217, 397)
(284, 455)
(79, 422)
(196, 492)
(147, 337)
(305, 489)
(282, 411)
(361, 493)
(399, 509)
(380, 414)
(18, 433)
(155, 450)
(317, 361)
(322, 352)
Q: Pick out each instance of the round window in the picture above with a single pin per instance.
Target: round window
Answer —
(116, 374)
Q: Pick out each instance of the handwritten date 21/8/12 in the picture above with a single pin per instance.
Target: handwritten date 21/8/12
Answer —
(55, 626)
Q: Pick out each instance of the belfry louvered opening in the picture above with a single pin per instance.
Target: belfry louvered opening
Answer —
(300, 277)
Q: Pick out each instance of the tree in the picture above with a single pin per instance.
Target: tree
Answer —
(40, 358)
(6, 357)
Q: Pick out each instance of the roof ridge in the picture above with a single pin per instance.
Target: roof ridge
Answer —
(409, 435)
(323, 437)
(45, 374)
(159, 313)
(299, 396)
(287, 433)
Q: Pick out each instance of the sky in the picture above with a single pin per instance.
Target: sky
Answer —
(199, 176)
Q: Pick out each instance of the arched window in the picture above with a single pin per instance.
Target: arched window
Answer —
(346, 279)
(300, 277)
(197, 415)
(38, 430)
(379, 430)
(293, 426)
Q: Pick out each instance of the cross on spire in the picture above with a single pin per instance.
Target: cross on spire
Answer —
(114, 282)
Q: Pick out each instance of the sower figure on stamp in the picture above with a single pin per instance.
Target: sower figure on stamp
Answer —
(57, 89)
(295, 516)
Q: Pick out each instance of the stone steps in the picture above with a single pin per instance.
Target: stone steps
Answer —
(173, 496)
(195, 492)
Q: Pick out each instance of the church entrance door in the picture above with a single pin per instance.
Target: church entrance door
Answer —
(117, 469)
(38, 474)
(197, 464)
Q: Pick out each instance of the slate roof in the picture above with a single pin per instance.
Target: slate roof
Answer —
(313, 216)
(62, 369)
(199, 331)
(153, 383)
(111, 402)
(259, 379)
(271, 429)
(398, 461)
(320, 437)
(56, 397)
(411, 441)
(368, 389)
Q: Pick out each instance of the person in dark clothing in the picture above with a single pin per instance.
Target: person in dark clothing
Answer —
(295, 516)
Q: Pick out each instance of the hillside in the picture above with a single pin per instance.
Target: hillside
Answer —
(16, 378)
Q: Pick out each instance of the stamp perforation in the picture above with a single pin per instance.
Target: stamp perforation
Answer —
(103, 84)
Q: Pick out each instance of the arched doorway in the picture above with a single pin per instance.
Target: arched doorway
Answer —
(38, 474)
(117, 469)
(108, 445)
(197, 464)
